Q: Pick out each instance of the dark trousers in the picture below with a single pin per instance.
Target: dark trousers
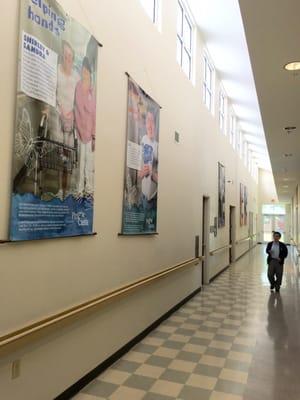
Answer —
(275, 270)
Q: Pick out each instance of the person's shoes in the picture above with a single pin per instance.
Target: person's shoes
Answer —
(272, 288)
(277, 289)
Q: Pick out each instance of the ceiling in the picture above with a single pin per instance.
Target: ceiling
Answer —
(221, 25)
(273, 33)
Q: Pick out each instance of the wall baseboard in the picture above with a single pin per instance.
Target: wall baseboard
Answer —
(85, 380)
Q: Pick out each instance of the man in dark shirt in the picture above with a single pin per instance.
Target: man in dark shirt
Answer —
(277, 252)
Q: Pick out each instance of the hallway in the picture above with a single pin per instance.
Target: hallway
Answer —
(232, 341)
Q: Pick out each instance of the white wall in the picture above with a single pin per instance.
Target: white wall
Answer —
(38, 279)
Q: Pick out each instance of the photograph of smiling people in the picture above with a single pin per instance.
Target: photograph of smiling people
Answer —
(141, 177)
(85, 121)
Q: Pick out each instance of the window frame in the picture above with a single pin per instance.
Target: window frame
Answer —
(180, 38)
(232, 130)
(208, 90)
(222, 111)
(245, 153)
(241, 143)
(155, 11)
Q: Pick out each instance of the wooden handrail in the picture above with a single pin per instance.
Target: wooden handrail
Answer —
(212, 252)
(69, 313)
(295, 244)
(243, 240)
(246, 238)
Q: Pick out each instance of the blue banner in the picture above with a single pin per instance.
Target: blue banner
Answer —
(34, 218)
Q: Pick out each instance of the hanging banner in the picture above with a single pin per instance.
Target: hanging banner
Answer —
(221, 195)
(245, 205)
(141, 170)
(241, 204)
(53, 165)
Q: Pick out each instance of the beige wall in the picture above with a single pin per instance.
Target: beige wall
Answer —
(295, 214)
(267, 194)
(40, 278)
(267, 191)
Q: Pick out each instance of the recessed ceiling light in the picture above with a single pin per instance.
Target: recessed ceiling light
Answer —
(288, 155)
(292, 66)
(285, 186)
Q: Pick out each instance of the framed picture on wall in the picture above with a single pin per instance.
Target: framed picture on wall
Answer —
(221, 195)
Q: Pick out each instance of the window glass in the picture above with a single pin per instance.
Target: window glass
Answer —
(272, 209)
(184, 40)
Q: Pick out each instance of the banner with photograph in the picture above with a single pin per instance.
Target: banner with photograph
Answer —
(221, 195)
(53, 165)
(241, 204)
(245, 206)
(141, 170)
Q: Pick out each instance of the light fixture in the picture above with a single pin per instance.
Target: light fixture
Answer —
(289, 129)
(288, 155)
(285, 186)
(292, 66)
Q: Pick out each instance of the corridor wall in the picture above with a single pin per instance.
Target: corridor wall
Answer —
(295, 216)
(41, 278)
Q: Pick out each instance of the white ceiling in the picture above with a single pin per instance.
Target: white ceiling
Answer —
(273, 32)
(221, 25)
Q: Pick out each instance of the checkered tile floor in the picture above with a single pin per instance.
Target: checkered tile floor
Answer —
(202, 352)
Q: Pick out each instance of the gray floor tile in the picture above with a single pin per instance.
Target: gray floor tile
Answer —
(188, 356)
(193, 321)
(155, 396)
(139, 382)
(100, 389)
(175, 376)
(126, 366)
(208, 329)
(193, 393)
(224, 338)
(159, 361)
(199, 341)
(185, 332)
(160, 335)
(172, 344)
(211, 351)
(230, 387)
(171, 323)
(207, 370)
(145, 348)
